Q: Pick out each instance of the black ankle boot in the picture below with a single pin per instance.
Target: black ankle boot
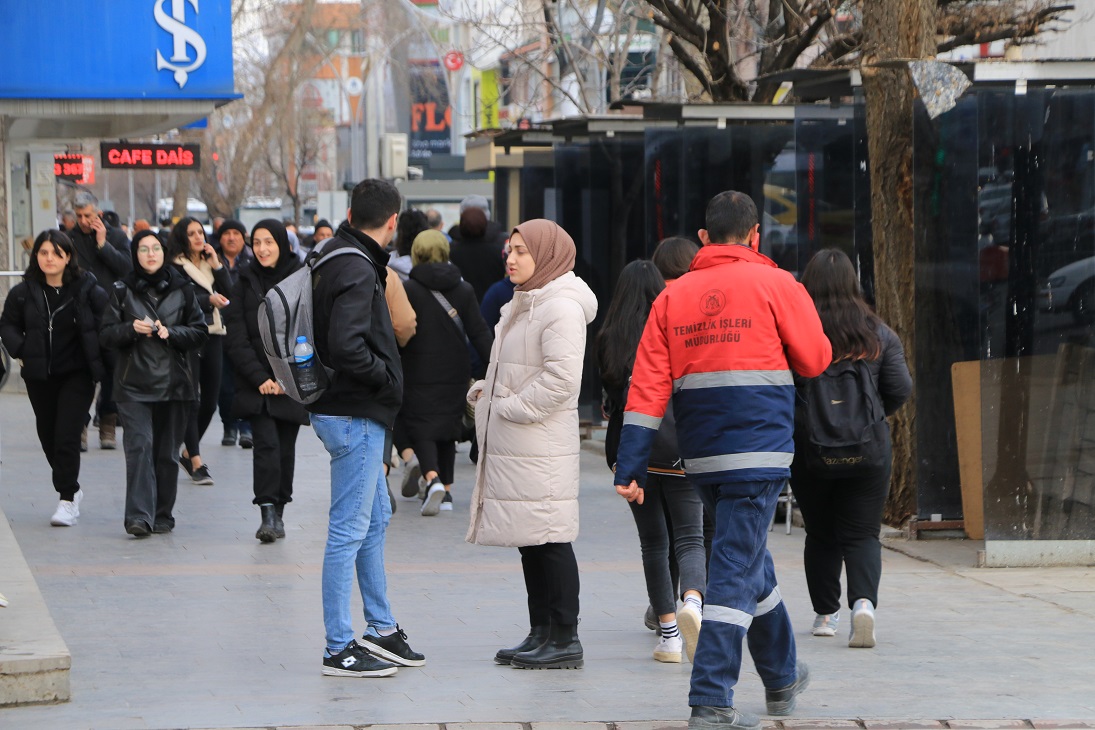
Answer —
(279, 526)
(562, 650)
(537, 635)
(267, 532)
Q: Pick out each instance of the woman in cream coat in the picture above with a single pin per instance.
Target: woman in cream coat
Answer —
(526, 419)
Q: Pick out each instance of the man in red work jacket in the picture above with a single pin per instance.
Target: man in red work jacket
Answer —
(723, 342)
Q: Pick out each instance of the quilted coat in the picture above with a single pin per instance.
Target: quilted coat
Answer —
(526, 418)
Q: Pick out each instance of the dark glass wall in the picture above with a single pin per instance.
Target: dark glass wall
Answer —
(1036, 251)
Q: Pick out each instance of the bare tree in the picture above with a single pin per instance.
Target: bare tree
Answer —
(731, 46)
(295, 148)
(267, 74)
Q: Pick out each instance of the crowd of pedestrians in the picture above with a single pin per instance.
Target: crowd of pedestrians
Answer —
(718, 372)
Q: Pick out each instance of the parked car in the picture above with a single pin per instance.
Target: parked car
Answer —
(1071, 288)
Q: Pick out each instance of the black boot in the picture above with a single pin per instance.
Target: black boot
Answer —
(537, 635)
(267, 532)
(562, 650)
(279, 526)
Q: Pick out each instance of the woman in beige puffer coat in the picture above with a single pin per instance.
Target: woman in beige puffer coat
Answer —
(526, 420)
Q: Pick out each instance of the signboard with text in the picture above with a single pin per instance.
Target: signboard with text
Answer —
(136, 156)
(431, 115)
(68, 167)
(117, 49)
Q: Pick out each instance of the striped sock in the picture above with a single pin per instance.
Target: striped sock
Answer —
(695, 602)
(669, 629)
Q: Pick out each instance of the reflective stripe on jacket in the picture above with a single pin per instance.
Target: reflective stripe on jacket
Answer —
(723, 342)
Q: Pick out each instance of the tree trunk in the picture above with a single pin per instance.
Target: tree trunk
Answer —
(895, 29)
(182, 192)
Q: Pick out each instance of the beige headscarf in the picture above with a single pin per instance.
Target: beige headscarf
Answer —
(430, 247)
(552, 249)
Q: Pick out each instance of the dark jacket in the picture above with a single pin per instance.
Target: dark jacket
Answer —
(24, 325)
(222, 284)
(149, 369)
(436, 366)
(354, 335)
(109, 263)
(481, 262)
(247, 356)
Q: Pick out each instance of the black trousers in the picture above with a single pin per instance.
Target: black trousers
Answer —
(842, 518)
(438, 456)
(106, 405)
(226, 394)
(60, 406)
(551, 580)
(209, 381)
(151, 442)
(275, 456)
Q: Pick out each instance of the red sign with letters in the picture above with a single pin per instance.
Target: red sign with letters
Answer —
(135, 156)
(69, 167)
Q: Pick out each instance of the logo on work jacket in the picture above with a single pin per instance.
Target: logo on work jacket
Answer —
(712, 302)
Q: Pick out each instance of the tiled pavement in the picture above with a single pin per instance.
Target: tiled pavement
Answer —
(206, 628)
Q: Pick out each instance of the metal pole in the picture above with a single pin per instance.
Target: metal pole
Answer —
(132, 203)
(156, 213)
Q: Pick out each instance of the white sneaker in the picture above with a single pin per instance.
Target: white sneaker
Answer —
(862, 633)
(668, 650)
(825, 624)
(66, 515)
(412, 473)
(431, 505)
(689, 620)
(446, 503)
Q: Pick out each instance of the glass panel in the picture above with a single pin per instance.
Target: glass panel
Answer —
(1038, 347)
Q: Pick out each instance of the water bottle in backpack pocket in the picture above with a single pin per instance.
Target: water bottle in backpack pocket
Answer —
(840, 423)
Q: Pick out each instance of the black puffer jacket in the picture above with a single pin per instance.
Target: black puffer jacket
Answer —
(24, 325)
(109, 263)
(436, 363)
(480, 260)
(354, 333)
(150, 369)
(245, 351)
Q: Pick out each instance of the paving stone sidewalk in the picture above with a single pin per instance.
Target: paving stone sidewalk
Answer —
(206, 628)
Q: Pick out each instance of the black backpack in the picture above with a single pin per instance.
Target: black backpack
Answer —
(840, 422)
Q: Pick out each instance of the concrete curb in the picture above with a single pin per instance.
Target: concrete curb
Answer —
(34, 660)
(795, 724)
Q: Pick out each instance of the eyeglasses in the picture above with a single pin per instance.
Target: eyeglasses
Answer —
(149, 249)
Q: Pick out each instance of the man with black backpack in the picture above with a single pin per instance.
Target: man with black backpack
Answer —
(355, 340)
(724, 341)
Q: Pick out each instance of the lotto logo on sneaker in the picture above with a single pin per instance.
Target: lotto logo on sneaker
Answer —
(349, 662)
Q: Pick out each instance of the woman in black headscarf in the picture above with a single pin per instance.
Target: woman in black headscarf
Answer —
(154, 321)
(275, 418)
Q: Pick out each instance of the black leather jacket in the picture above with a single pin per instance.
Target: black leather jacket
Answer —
(150, 369)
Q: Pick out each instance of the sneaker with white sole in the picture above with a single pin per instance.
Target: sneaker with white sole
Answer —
(689, 620)
(862, 633)
(446, 503)
(668, 650)
(431, 503)
(411, 474)
(825, 624)
(66, 515)
(356, 661)
(393, 648)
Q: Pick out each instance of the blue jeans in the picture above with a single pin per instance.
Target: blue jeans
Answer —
(742, 600)
(359, 517)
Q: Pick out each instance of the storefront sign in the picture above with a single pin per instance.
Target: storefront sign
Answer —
(128, 156)
(68, 167)
(431, 115)
(118, 49)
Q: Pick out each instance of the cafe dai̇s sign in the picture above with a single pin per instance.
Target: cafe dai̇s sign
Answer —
(130, 156)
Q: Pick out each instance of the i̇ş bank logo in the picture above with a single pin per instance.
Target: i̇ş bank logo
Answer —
(182, 36)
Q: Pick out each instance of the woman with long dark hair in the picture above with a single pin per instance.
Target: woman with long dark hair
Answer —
(668, 491)
(274, 417)
(408, 225)
(843, 513)
(51, 322)
(198, 261)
